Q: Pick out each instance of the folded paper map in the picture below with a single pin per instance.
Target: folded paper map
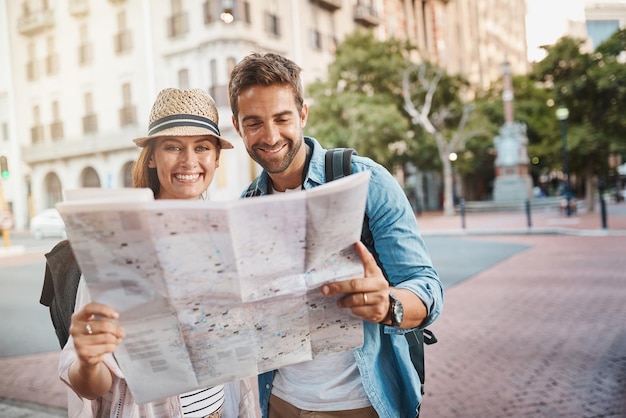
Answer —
(209, 292)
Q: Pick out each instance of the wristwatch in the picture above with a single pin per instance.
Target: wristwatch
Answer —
(396, 310)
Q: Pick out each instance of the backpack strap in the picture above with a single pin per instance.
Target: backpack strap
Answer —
(338, 163)
(253, 189)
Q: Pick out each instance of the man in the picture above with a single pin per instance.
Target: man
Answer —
(377, 379)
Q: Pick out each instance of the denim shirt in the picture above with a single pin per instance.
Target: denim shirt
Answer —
(384, 362)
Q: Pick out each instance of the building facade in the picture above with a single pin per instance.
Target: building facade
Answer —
(83, 74)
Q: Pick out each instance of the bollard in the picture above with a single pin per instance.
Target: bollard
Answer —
(528, 220)
(603, 210)
(462, 206)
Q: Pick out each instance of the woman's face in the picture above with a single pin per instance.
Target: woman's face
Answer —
(185, 165)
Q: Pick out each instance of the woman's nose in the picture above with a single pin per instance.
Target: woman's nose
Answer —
(189, 158)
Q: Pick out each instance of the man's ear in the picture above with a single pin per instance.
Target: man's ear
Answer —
(304, 115)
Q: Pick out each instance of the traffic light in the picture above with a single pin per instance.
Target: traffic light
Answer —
(4, 167)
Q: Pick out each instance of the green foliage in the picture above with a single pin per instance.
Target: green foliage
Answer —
(360, 103)
(593, 87)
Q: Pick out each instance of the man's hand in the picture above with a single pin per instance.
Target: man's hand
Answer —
(367, 297)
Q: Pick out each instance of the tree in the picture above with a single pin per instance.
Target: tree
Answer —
(362, 105)
(593, 88)
(433, 102)
(358, 106)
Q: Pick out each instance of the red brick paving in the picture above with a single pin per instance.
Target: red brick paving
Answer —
(541, 334)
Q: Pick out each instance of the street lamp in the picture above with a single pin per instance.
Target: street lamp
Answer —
(562, 113)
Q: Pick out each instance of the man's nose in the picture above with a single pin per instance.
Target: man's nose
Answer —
(272, 133)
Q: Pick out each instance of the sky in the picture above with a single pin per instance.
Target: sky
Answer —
(546, 22)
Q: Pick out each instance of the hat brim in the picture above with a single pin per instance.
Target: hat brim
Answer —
(183, 131)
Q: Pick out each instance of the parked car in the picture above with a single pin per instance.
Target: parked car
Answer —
(47, 223)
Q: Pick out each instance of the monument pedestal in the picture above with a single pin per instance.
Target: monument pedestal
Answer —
(512, 187)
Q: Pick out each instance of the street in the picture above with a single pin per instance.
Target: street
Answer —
(26, 328)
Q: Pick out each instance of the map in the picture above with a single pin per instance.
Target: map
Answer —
(210, 292)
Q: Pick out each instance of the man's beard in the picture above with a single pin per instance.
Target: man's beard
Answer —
(277, 164)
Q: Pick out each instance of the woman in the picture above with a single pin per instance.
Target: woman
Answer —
(178, 160)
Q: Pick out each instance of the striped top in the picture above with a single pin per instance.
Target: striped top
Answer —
(202, 402)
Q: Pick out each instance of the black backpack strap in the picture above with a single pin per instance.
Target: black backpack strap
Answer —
(417, 339)
(253, 189)
(338, 163)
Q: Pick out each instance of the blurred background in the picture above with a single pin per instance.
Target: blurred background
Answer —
(488, 103)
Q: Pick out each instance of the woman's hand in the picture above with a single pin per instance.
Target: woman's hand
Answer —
(95, 334)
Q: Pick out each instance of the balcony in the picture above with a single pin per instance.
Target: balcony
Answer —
(330, 5)
(32, 71)
(90, 124)
(79, 8)
(56, 130)
(35, 22)
(177, 25)
(52, 64)
(36, 134)
(128, 115)
(366, 16)
(122, 41)
(84, 54)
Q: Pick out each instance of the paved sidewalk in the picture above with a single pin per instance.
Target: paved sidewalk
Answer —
(541, 334)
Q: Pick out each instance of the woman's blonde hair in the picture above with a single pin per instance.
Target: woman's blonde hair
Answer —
(143, 175)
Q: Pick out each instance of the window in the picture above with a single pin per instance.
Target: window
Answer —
(84, 47)
(36, 131)
(316, 39)
(122, 39)
(272, 24)
(183, 78)
(128, 112)
(31, 63)
(51, 58)
(56, 127)
(90, 120)
(177, 22)
(226, 11)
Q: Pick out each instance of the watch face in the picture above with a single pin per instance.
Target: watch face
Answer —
(397, 311)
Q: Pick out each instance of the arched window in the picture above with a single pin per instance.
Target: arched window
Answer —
(53, 190)
(89, 178)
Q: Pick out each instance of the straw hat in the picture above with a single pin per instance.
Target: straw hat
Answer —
(179, 112)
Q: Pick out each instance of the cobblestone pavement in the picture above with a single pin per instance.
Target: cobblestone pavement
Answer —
(540, 334)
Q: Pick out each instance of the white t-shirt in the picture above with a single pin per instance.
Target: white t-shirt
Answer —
(329, 383)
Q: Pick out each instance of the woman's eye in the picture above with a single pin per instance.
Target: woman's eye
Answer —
(172, 148)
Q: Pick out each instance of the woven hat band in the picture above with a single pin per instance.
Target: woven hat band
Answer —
(182, 120)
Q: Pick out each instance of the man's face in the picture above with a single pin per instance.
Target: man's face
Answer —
(271, 126)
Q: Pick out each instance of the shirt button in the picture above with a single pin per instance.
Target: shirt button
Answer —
(267, 386)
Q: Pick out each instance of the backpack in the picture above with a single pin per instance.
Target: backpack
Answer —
(338, 164)
(59, 288)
